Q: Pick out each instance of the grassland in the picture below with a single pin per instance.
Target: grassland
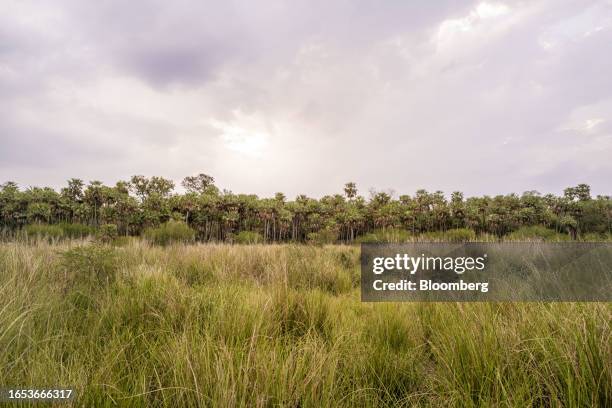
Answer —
(277, 325)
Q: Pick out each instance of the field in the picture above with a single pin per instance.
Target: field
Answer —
(277, 325)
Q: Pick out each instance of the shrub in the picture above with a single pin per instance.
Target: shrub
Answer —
(369, 238)
(248, 237)
(325, 236)
(431, 236)
(453, 235)
(76, 230)
(90, 264)
(170, 232)
(50, 232)
(595, 237)
(107, 233)
(121, 241)
(460, 235)
(536, 232)
(58, 231)
(391, 235)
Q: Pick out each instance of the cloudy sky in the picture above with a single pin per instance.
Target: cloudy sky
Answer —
(302, 96)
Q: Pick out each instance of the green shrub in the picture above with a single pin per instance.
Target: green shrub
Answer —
(248, 237)
(453, 235)
(391, 235)
(107, 233)
(369, 238)
(121, 241)
(536, 232)
(460, 235)
(431, 236)
(89, 264)
(76, 230)
(595, 237)
(325, 236)
(58, 231)
(50, 232)
(170, 232)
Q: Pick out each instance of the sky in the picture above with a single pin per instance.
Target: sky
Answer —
(302, 96)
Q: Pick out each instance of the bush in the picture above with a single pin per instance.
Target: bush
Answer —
(595, 237)
(536, 232)
(369, 238)
(460, 235)
(453, 235)
(390, 235)
(108, 233)
(90, 264)
(436, 236)
(325, 236)
(248, 237)
(58, 231)
(121, 241)
(170, 232)
(76, 230)
(50, 232)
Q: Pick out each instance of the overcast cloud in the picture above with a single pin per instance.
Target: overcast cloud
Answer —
(302, 96)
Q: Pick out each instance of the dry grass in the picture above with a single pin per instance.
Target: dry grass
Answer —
(218, 325)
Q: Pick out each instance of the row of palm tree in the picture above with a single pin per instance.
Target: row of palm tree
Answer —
(217, 215)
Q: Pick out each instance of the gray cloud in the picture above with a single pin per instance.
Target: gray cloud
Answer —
(484, 97)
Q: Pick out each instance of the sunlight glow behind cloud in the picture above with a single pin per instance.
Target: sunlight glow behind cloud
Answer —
(249, 141)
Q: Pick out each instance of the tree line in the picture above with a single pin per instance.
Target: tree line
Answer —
(220, 215)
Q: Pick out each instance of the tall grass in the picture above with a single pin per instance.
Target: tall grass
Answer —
(282, 325)
(169, 233)
(56, 232)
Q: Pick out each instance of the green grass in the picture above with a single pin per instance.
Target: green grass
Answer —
(169, 233)
(278, 325)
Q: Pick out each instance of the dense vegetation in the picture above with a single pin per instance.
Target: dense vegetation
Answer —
(277, 325)
(146, 203)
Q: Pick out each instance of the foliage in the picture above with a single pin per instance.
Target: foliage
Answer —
(170, 232)
(51, 232)
(89, 264)
(248, 237)
(390, 235)
(76, 230)
(536, 232)
(460, 235)
(58, 231)
(324, 236)
(219, 215)
(596, 237)
(107, 233)
(452, 235)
